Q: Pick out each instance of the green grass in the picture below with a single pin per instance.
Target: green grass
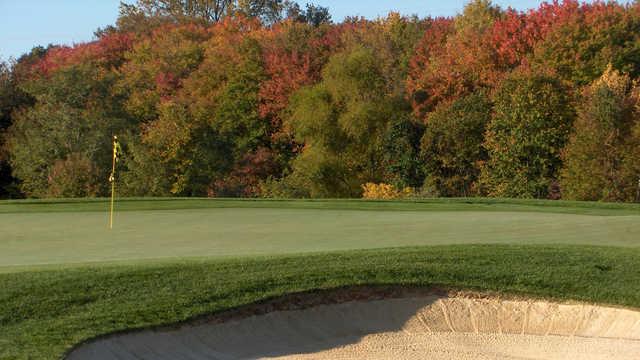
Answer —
(39, 233)
(44, 313)
(64, 278)
(440, 204)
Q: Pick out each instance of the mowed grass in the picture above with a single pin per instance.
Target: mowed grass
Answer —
(65, 279)
(36, 233)
(44, 313)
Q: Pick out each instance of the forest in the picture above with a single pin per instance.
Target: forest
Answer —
(268, 98)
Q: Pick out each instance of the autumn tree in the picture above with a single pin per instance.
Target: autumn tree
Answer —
(530, 126)
(157, 65)
(210, 123)
(460, 63)
(601, 149)
(585, 37)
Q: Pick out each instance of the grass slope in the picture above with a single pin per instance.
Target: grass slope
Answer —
(44, 313)
(44, 232)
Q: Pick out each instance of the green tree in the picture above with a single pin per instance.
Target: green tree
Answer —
(11, 100)
(401, 152)
(452, 146)
(600, 151)
(146, 15)
(342, 121)
(312, 14)
(530, 126)
(71, 123)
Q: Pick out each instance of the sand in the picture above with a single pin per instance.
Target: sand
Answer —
(426, 327)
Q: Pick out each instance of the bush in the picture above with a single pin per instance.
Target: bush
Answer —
(373, 191)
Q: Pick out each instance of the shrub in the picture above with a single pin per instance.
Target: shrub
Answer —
(373, 191)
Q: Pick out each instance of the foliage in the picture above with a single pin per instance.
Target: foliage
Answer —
(73, 177)
(341, 122)
(11, 100)
(153, 13)
(267, 98)
(383, 191)
(587, 37)
(454, 59)
(451, 147)
(401, 152)
(76, 112)
(312, 14)
(603, 145)
(531, 123)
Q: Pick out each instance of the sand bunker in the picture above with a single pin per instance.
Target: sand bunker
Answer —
(426, 327)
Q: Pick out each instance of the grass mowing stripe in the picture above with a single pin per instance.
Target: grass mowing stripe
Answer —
(443, 204)
(44, 313)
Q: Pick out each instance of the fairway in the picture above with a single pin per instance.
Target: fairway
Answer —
(42, 236)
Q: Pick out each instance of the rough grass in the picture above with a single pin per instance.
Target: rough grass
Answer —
(44, 313)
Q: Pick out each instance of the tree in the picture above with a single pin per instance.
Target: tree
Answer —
(401, 151)
(314, 15)
(209, 124)
(341, 121)
(11, 100)
(73, 177)
(146, 15)
(530, 126)
(452, 146)
(157, 65)
(601, 148)
(69, 127)
(585, 38)
(454, 59)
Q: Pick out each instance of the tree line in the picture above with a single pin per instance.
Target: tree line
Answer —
(267, 98)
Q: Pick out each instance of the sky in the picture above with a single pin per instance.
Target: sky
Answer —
(28, 23)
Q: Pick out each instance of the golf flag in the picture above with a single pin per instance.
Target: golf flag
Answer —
(117, 151)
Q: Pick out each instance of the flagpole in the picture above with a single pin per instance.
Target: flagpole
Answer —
(112, 179)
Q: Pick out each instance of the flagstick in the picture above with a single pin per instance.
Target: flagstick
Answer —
(113, 183)
(113, 189)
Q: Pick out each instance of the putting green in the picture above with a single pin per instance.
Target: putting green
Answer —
(50, 237)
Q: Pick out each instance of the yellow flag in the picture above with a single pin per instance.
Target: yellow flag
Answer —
(117, 151)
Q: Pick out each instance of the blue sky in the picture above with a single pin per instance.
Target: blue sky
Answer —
(27, 23)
